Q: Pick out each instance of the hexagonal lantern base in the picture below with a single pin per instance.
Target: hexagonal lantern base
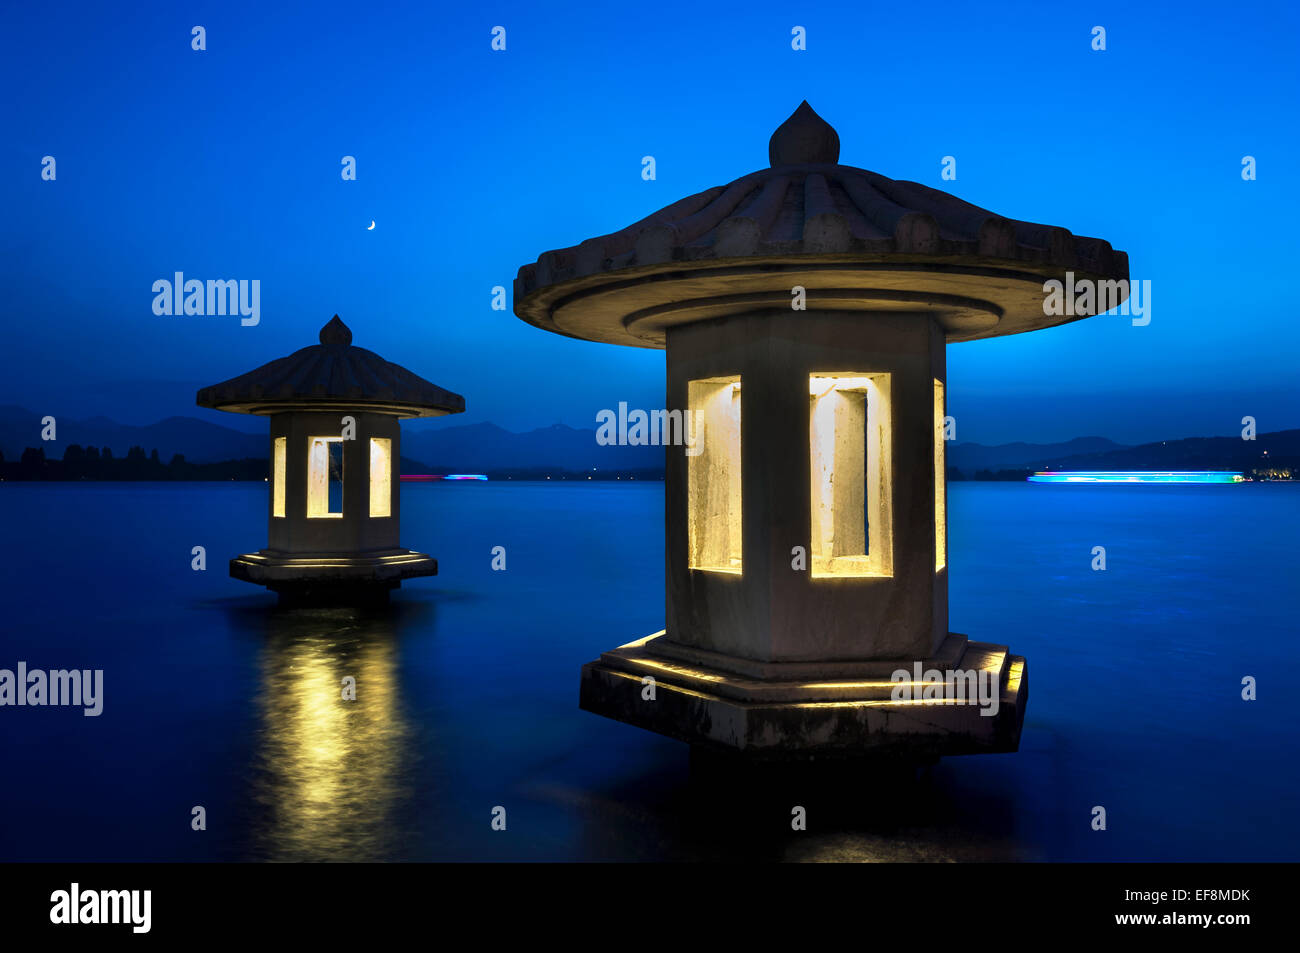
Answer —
(807, 710)
(332, 580)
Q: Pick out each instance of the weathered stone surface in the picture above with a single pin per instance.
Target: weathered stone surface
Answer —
(332, 373)
(269, 568)
(854, 239)
(770, 612)
(332, 580)
(795, 718)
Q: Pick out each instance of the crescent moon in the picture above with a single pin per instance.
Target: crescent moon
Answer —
(371, 226)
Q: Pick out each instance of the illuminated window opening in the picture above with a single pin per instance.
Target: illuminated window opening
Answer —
(940, 484)
(325, 478)
(381, 476)
(277, 476)
(852, 500)
(713, 474)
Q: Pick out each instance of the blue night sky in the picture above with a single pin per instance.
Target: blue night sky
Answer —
(225, 164)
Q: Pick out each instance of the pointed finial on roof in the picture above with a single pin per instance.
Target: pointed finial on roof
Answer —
(804, 139)
(336, 333)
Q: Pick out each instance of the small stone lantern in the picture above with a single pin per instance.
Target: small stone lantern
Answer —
(805, 309)
(335, 450)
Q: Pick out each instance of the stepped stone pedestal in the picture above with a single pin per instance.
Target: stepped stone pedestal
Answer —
(817, 711)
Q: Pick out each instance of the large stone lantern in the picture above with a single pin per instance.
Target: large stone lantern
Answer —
(805, 310)
(333, 510)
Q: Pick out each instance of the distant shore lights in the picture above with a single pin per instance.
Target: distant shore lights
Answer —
(1137, 476)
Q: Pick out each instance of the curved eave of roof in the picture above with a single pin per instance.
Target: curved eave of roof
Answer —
(823, 212)
(324, 377)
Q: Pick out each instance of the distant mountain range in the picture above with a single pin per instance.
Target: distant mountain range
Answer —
(970, 457)
(487, 448)
(469, 448)
(198, 440)
(1278, 450)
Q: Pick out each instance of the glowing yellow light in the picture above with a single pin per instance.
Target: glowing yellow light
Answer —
(821, 386)
(940, 485)
(335, 562)
(881, 703)
(850, 455)
(381, 476)
(683, 670)
(666, 687)
(277, 489)
(1015, 672)
(318, 477)
(640, 642)
(713, 504)
(330, 769)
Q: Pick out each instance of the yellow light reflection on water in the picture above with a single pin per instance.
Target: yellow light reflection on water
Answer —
(331, 770)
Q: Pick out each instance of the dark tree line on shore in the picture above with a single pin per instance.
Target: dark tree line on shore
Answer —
(93, 463)
(956, 475)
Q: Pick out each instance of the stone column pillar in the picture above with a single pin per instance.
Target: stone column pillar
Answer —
(871, 422)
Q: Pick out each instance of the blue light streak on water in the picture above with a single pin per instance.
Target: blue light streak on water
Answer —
(1137, 476)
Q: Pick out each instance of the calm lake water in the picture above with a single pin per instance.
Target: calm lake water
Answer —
(467, 687)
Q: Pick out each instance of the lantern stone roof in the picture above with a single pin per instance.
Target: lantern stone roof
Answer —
(331, 375)
(855, 240)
